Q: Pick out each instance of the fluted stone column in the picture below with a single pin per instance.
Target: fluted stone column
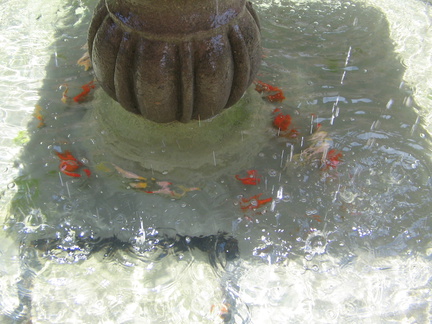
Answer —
(171, 60)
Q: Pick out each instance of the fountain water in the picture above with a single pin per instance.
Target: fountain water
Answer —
(345, 242)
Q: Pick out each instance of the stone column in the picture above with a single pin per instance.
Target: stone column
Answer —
(171, 60)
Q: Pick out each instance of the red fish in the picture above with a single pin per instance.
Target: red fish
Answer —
(317, 218)
(254, 202)
(293, 133)
(277, 97)
(69, 164)
(37, 113)
(333, 158)
(252, 178)
(282, 121)
(265, 87)
(66, 156)
(86, 90)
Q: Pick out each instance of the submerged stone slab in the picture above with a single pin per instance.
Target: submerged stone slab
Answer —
(200, 149)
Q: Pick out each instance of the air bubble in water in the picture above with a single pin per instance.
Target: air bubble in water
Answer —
(316, 243)
(272, 173)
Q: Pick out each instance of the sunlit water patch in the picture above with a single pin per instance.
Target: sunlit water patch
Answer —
(328, 221)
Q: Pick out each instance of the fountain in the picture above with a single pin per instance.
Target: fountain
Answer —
(312, 208)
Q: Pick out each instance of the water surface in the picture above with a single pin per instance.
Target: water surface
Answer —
(349, 243)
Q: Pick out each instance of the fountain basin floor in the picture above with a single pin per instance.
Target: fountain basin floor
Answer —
(302, 238)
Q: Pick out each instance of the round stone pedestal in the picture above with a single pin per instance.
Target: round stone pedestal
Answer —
(171, 60)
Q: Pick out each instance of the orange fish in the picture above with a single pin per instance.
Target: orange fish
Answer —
(86, 90)
(161, 187)
(64, 97)
(69, 164)
(282, 121)
(265, 87)
(254, 202)
(293, 133)
(37, 113)
(252, 179)
(85, 61)
(277, 97)
(333, 158)
(317, 218)
(66, 156)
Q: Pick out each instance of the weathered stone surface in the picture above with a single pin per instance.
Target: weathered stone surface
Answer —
(175, 60)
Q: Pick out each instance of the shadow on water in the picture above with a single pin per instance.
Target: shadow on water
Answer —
(338, 68)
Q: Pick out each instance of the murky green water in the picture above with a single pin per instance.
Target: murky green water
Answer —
(331, 243)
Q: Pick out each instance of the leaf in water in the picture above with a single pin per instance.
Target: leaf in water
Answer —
(22, 138)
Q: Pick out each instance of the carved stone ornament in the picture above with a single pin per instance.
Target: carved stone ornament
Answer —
(173, 60)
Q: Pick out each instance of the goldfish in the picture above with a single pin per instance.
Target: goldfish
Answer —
(277, 97)
(167, 191)
(152, 186)
(252, 178)
(138, 185)
(85, 61)
(128, 174)
(37, 113)
(222, 310)
(332, 159)
(66, 156)
(267, 88)
(86, 90)
(69, 164)
(164, 188)
(321, 144)
(317, 218)
(64, 97)
(254, 202)
(292, 133)
(282, 121)
(81, 97)
(321, 148)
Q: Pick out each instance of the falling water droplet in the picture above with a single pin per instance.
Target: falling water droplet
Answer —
(214, 158)
(389, 104)
(282, 157)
